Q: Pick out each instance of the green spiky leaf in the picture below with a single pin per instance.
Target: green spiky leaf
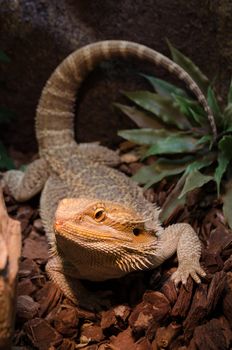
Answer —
(230, 94)
(213, 103)
(157, 171)
(5, 161)
(228, 117)
(223, 162)
(227, 203)
(173, 201)
(162, 141)
(173, 144)
(200, 163)
(194, 180)
(198, 118)
(163, 107)
(207, 139)
(164, 88)
(192, 110)
(141, 118)
(194, 71)
(225, 145)
(143, 136)
(224, 158)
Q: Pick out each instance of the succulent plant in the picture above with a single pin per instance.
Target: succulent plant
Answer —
(175, 129)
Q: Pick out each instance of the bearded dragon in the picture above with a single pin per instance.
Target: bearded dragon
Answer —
(98, 223)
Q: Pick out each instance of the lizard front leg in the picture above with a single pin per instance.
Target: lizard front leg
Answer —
(181, 238)
(24, 185)
(65, 276)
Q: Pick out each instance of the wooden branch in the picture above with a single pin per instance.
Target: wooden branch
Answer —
(10, 250)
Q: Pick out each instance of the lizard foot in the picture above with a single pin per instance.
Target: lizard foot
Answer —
(188, 269)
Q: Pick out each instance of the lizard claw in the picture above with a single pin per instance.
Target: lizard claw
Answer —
(186, 270)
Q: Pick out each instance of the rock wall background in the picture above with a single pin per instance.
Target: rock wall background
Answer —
(37, 35)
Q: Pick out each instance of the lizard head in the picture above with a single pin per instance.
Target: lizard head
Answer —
(89, 220)
(112, 239)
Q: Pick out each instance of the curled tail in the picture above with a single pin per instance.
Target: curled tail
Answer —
(55, 112)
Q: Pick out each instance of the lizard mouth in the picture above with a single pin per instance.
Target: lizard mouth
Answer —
(89, 232)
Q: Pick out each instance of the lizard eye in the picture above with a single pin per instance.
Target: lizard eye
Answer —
(136, 231)
(99, 215)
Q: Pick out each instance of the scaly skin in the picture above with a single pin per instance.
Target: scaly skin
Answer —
(105, 227)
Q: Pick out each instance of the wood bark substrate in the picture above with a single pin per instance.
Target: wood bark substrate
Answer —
(10, 250)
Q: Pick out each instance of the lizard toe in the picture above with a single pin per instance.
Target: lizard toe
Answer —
(195, 277)
(184, 271)
(200, 271)
(176, 278)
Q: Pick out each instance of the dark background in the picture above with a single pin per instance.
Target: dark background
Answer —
(37, 35)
